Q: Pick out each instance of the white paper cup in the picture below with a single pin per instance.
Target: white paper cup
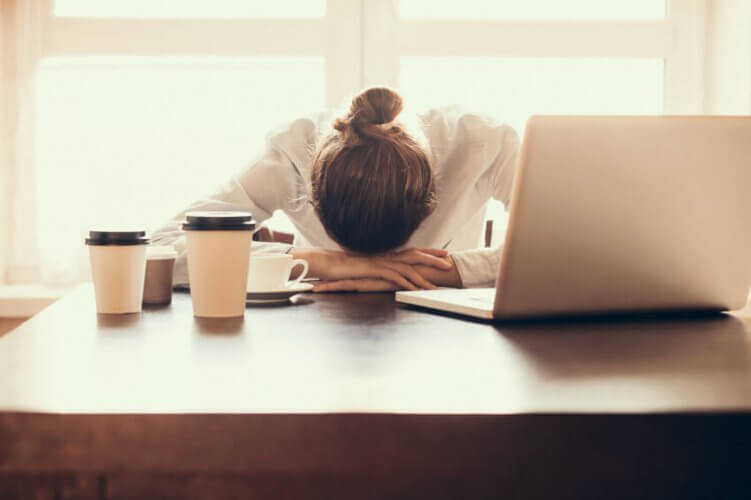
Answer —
(218, 247)
(118, 266)
(271, 272)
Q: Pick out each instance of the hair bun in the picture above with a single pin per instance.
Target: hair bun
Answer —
(370, 108)
(376, 105)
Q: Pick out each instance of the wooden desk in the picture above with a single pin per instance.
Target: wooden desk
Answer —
(353, 396)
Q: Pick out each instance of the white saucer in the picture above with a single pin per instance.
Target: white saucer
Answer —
(278, 295)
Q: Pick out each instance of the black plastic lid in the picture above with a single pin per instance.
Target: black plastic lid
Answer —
(122, 238)
(219, 221)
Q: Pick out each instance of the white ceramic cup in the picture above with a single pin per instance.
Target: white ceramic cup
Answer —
(118, 265)
(271, 272)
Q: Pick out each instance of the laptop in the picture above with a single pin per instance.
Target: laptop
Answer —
(621, 214)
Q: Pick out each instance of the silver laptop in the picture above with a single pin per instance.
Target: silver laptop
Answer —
(612, 215)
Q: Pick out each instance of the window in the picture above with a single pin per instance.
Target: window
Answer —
(144, 105)
(512, 89)
(512, 59)
(152, 135)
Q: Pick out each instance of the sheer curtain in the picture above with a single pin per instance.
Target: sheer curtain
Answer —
(23, 31)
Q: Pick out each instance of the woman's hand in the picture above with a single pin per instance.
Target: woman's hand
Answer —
(397, 268)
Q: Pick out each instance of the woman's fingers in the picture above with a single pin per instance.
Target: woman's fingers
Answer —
(438, 252)
(396, 277)
(409, 272)
(344, 266)
(361, 285)
(420, 257)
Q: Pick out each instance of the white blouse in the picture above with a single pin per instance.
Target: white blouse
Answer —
(473, 156)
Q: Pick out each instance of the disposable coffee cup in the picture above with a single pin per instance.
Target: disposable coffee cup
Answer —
(118, 265)
(218, 247)
(160, 266)
(271, 272)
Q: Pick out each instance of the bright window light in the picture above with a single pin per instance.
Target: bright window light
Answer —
(512, 89)
(125, 141)
(191, 8)
(535, 9)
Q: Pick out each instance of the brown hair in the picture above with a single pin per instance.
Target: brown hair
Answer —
(372, 183)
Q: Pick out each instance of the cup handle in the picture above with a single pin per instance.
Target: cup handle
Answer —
(295, 263)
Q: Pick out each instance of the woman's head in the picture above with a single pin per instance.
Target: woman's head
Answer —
(372, 183)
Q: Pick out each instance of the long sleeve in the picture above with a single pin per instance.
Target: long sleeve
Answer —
(505, 164)
(268, 184)
(478, 268)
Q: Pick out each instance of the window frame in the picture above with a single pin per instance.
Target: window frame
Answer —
(362, 41)
(336, 37)
(678, 39)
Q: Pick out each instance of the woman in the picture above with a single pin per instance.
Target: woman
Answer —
(378, 204)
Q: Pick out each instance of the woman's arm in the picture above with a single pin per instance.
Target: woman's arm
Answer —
(447, 274)
(448, 277)
(464, 269)
(408, 269)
